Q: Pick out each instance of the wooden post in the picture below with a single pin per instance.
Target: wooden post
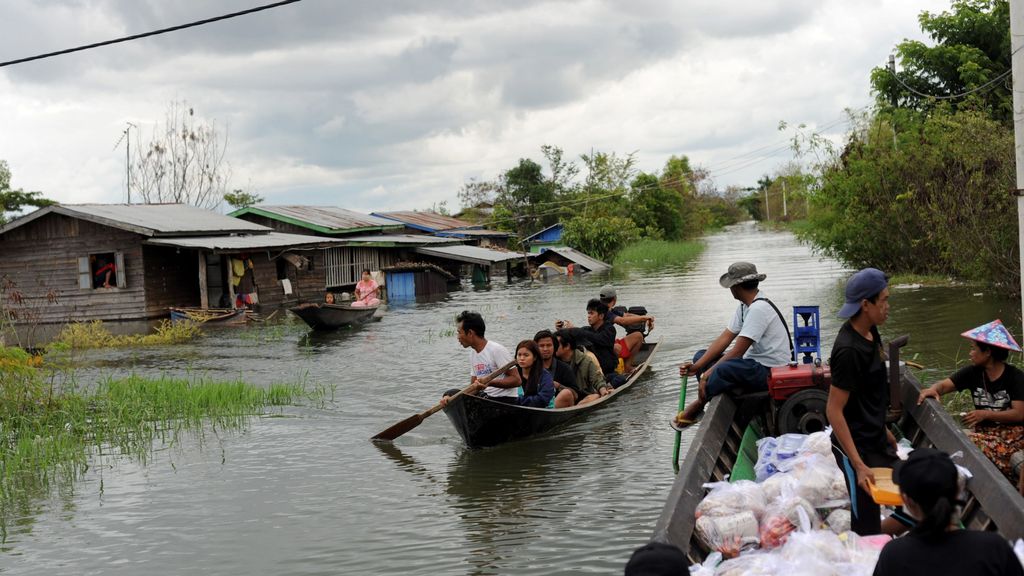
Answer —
(226, 259)
(204, 295)
(1017, 67)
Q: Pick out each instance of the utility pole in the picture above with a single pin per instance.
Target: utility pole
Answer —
(785, 212)
(767, 212)
(1017, 66)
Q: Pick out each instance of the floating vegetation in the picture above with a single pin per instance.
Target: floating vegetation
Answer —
(82, 335)
(659, 253)
(50, 430)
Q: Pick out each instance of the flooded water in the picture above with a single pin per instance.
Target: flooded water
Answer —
(305, 492)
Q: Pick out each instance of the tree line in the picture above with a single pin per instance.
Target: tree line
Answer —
(603, 200)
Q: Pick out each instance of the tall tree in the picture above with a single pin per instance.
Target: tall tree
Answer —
(184, 161)
(14, 200)
(972, 49)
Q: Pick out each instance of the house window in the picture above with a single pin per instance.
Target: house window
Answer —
(101, 270)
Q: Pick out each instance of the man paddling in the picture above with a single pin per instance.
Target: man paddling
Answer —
(761, 338)
(485, 356)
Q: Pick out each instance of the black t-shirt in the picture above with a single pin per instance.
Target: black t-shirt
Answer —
(858, 368)
(563, 374)
(960, 552)
(601, 342)
(990, 395)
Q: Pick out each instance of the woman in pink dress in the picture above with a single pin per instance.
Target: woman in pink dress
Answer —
(366, 292)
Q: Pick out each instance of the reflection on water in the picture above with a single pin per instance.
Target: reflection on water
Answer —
(309, 494)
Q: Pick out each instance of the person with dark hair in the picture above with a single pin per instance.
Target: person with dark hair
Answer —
(930, 487)
(634, 325)
(997, 389)
(598, 337)
(760, 341)
(657, 559)
(538, 384)
(585, 369)
(567, 393)
(859, 398)
(367, 292)
(485, 357)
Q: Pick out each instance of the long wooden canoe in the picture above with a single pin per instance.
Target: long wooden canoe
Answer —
(482, 422)
(321, 316)
(209, 315)
(993, 502)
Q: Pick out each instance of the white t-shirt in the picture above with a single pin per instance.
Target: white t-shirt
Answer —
(492, 357)
(762, 324)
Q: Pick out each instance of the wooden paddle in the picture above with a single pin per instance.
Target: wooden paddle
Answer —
(415, 420)
(679, 435)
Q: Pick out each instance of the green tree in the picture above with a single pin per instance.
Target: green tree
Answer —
(972, 48)
(242, 199)
(655, 209)
(600, 236)
(14, 200)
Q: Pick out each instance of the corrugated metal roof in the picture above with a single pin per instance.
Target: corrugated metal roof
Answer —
(397, 239)
(475, 232)
(327, 219)
(246, 242)
(536, 234)
(148, 219)
(472, 254)
(426, 221)
(592, 264)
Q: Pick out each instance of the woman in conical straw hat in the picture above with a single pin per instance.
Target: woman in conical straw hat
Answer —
(997, 389)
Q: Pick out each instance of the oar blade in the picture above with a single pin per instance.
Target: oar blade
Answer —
(399, 429)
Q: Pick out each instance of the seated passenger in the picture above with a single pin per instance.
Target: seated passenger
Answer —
(634, 324)
(930, 488)
(367, 291)
(566, 391)
(997, 389)
(588, 375)
(599, 337)
(538, 385)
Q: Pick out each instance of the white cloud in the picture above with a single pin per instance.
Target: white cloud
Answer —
(395, 105)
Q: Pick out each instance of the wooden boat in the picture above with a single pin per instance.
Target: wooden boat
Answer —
(207, 315)
(993, 502)
(482, 422)
(321, 316)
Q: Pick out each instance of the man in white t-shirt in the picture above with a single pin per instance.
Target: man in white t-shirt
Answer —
(485, 357)
(762, 342)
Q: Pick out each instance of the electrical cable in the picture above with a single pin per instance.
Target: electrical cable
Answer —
(147, 34)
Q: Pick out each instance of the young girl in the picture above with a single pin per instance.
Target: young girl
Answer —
(538, 384)
(997, 389)
(366, 291)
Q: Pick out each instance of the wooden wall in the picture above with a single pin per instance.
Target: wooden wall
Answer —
(41, 260)
(307, 285)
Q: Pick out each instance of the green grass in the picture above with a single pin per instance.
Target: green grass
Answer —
(659, 253)
(82, 335)
(50, 430)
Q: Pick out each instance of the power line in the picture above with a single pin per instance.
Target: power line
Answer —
(147, 34)
(892, 70)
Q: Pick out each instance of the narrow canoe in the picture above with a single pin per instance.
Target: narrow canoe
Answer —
(321, 316)
(215, 315)
(993, 503)
(482, 422)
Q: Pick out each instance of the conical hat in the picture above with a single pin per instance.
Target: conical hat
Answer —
(993, 334)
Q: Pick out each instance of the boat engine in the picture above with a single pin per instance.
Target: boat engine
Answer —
(798, 393)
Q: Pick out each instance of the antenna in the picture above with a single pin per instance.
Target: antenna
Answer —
(126, 137)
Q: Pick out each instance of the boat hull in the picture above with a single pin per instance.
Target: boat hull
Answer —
(993, 503)
(209, 315)
(331, 316)
(482, 422)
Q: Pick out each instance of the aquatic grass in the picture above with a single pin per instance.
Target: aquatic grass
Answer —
(84, 335)
(50, 431)
(659, 253)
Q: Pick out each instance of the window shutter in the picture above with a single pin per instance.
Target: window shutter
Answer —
(119, 263)
(84, 273)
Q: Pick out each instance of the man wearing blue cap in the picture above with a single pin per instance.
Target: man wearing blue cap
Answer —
(859, 396)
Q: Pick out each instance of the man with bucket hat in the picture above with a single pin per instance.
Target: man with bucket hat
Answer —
(859, 398)
(997, 389)
(762, 342)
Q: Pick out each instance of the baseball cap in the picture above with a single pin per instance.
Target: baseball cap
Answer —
(864, 284)
(607, 292)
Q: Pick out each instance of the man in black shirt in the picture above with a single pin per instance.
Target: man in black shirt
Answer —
(566, 392)
(599, 338)
(859, 397)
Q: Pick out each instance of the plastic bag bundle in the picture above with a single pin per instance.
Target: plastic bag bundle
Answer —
(818, 443)
(737, 531)
(782, 517)
(772, 454)
(838, 521)
(753, 564)
(727, 498)
(819, 481)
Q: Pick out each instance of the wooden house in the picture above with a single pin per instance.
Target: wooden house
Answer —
(435, 224)
(67, 263)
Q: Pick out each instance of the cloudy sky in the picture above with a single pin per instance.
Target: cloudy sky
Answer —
(394, 105)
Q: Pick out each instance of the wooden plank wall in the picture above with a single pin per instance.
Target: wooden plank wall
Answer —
(171, 279)
(306, 284)
(41, 259)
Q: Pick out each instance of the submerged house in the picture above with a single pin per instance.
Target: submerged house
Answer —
(67, 263)
(550, 237)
